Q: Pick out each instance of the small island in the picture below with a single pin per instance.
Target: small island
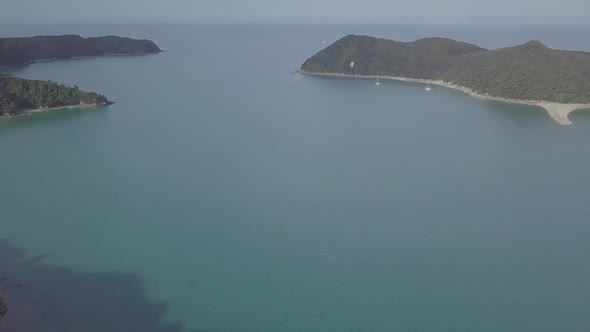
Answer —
(531, 73)
(20, 96)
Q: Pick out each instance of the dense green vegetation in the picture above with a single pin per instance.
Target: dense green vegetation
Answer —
(17, 94)
(530, 71)
(18, 51)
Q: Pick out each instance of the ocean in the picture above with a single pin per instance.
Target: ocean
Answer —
(222, 192)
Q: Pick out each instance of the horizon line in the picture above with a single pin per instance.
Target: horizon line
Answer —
(561, 20)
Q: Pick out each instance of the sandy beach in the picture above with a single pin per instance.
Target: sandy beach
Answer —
(559, 112)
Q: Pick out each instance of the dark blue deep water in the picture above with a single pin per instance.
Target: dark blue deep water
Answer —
(221, 192)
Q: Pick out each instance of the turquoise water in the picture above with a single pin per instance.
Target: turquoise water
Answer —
(223, 193)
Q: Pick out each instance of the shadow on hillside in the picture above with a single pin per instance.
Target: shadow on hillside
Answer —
(46, 298)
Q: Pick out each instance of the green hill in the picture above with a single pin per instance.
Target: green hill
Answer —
(530, 71)
(18, 51)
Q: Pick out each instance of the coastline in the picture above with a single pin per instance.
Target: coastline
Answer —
(95, 56)
(109, 55)
(31, 111)
(558, 111)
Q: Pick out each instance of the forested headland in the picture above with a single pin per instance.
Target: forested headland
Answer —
(531, 71)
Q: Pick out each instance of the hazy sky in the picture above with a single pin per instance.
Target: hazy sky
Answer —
(279, 10)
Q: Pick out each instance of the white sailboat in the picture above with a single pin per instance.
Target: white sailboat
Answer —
(377, 83)
(428, 87)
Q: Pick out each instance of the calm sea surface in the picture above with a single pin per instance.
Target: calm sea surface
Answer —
(221, 192)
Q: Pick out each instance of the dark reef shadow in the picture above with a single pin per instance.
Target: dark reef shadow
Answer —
(46, 298)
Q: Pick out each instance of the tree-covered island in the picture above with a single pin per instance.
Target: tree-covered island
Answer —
(20, 96)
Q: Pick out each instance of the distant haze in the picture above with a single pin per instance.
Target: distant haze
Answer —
(351, 11)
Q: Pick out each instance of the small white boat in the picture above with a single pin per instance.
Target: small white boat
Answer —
(377, 83)
(428, 87)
